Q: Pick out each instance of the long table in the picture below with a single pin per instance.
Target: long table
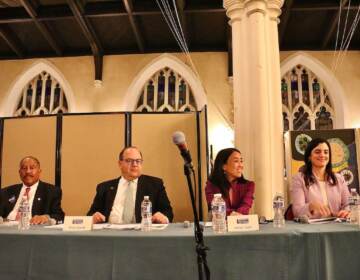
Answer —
(303, 252)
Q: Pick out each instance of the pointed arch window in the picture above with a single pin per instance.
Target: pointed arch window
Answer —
(166, 91)
(41, 96)
(305, 101)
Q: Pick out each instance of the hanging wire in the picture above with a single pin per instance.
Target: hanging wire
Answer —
(172, 29)
(174, 24)
(345, 26)
(181, 30)
(352, 29)
(343, 44)
(175, 27)
(350, 35)
(337, 36)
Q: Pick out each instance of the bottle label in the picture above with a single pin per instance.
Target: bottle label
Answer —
(23, 208)
(219, 208)
(278, 204)
(353, 200)
(146, 209)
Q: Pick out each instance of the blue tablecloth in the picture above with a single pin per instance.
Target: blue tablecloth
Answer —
(303, 252)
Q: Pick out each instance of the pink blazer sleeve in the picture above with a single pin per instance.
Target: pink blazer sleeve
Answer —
(344, 192)
(298, 194)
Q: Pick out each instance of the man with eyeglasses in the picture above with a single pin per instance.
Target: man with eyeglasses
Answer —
(44, 199)
(119, 200)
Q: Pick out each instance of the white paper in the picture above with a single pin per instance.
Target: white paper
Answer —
(99, 226)
(159, 226)
(306, 220)
(123, 226)
(9, 223)
(135, 226)
(243, 223)
(95, 226)
(322, 220)
(115, 226)
(59, 226)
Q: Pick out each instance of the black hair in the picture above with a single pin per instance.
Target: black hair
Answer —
(217, 176)
(309, 177)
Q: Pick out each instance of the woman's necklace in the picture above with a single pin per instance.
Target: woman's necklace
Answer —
(319, 177)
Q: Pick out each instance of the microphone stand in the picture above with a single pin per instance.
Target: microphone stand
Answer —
(199, 237)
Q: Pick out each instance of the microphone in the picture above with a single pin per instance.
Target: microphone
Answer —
(178, 138)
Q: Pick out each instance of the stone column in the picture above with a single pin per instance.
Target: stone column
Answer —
(257, 100)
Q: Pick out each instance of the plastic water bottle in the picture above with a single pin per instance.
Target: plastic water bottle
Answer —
(278, 205)
(24, 211)
(218, 211)
(353, 204)
(146, 214)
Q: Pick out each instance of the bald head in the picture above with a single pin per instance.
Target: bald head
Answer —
(30, 157)
(29, 170)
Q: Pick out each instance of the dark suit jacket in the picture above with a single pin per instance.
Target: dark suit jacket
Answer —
(47, 200)
(147, 185)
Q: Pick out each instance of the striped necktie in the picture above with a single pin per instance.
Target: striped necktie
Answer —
(27, 190)
(129, 204)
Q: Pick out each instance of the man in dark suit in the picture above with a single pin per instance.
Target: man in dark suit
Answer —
(44, 199)
(119, 200)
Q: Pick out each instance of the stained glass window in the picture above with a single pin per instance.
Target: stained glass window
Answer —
(42, 95)
(305, 101)
(323, 120)
(166, 91)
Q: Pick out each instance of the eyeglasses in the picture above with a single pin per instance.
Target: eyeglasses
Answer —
(133, 161)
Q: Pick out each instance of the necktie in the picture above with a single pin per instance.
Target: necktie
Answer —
(129, 204)
(27, 190)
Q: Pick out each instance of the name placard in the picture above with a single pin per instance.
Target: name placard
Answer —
(77, 223)
(243, 223)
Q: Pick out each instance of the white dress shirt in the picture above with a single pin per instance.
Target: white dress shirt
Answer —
(116, 214)
(33, 188)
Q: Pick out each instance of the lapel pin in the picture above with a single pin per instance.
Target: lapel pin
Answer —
(39, 198)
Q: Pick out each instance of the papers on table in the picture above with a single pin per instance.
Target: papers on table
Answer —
(8, 223)
(115, 226)
(59, 226)
(134, 226)
(306, 220)
(159, 226)
(122, 226)
(206, 224)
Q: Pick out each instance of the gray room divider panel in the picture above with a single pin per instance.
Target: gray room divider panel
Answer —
(28, 136)
(204, 159)
(152, 133)
(89, 155)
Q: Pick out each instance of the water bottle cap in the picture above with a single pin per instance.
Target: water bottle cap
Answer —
(217, 195)
(146, 197)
